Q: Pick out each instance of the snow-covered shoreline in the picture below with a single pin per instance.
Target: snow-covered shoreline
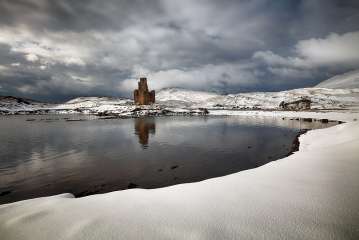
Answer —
(312, 194)
(345, 116)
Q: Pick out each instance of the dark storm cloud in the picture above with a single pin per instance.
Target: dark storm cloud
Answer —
(76, 15)
(60, 49)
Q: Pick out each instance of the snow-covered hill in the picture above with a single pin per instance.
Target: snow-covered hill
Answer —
(321, 98)
(346, 80)
(179, 94)
(10, 104)
(95, 105)
(181, 101)
(82, 102)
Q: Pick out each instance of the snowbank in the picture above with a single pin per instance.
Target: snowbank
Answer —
(312, 194)
(331, 115)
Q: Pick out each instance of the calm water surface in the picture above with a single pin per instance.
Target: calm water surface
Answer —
(47, 155)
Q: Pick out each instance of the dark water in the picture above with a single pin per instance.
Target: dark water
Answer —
(47, 155)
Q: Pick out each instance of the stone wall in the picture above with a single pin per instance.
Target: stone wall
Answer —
(142, 96)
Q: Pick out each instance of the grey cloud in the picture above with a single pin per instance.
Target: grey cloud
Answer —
(60, 49)
(76, 15)
(332, 54)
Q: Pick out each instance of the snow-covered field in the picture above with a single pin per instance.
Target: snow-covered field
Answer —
(312, 194)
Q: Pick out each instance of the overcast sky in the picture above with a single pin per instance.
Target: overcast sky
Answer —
(56, 50)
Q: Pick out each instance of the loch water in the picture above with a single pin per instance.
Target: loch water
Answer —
(84, 155)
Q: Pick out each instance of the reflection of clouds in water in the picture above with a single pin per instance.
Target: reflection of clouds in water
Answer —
(178, 131)
(194, 121)
(72, 156)
(220, 137)
(49, 148)
(38, 170)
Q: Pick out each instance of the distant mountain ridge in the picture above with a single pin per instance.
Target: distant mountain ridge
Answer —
(182, 100)
(17, 100)
(346, 80)
(321, 98)
(10, 103)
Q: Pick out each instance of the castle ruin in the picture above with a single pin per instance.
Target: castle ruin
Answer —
(141, 95)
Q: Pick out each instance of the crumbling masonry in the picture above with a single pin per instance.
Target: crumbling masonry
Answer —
(141, 95)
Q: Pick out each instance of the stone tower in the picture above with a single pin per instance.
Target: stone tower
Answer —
(141, 95)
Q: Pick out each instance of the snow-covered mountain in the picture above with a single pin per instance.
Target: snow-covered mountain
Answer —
(346, 80)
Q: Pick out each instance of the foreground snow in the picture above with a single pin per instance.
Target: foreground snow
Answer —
(312, 194)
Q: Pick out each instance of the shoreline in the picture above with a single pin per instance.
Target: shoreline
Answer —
(305, 187)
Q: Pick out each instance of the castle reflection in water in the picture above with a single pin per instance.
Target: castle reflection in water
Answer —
(143, 128)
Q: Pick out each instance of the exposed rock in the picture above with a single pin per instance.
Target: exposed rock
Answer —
(15, 99)
(167, 112)
(324, 120)
(136, 110)
(204, 111)
(301, 104)
(218, 106)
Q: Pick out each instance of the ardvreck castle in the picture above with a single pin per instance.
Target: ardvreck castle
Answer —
(141, 95)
